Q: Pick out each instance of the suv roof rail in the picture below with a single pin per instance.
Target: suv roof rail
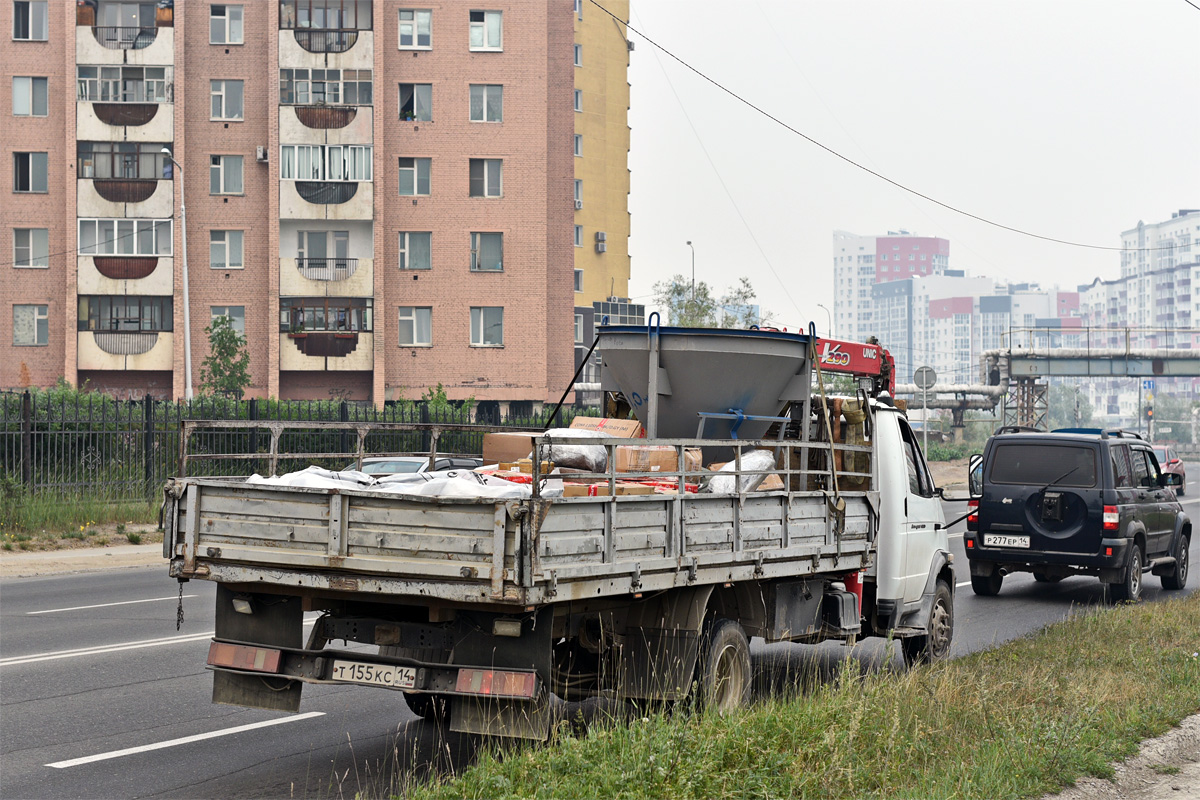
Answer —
(1119, 433)
(1016, 429)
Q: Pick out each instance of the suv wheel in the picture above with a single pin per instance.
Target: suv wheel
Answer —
(1042, 577)
(1177, 577)
(1130, 589)
(987, 585)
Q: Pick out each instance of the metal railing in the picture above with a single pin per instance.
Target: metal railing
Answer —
(326, 41)
(122, 38)
(327, 269)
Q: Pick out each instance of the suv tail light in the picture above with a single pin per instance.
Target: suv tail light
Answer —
(972, 515)
(1112, 519)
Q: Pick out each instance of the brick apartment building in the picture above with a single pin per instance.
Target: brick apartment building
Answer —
(378, 194)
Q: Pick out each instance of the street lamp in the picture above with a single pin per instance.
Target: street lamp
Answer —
(828, 320)
(689, 244)
(187, 315)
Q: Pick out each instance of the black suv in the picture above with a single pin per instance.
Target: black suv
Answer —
(1079, 502)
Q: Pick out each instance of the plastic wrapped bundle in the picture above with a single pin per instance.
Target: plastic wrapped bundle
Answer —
(587, 457)
(854, 461)
(756, 465)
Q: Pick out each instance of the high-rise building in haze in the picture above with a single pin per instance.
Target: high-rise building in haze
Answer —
(378, 194)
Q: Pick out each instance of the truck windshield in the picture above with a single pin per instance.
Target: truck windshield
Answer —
(1041, 463)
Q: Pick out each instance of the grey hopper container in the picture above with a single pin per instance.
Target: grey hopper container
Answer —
(703, 370)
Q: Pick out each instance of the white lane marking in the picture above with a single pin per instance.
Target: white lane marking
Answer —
(75, 762)
(964, 583)
(106, 605)
(954, 535)
(113, 648)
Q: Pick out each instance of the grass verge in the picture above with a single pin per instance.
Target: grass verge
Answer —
(1028, 717)
(54, 522)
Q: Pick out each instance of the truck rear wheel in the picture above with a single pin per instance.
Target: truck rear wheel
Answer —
(934, 645)
(1130, 589)
(723, 672)
(1177, 577)
(429, 707)
(987, 585)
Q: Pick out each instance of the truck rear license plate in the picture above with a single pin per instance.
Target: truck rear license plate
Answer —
(375, 674)
(1001, 540)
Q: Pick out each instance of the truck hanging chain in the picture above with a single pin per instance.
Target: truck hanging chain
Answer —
(179, 611)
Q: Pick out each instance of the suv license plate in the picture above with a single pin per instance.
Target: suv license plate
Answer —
(375, 674)
(1000, 540)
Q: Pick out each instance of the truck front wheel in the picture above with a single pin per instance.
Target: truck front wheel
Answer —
(723, 671)
(934, 645)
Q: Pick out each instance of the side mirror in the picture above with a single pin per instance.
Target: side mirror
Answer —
(975, 475)
(1171, 479)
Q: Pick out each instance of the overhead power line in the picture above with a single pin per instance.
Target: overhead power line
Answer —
(862, 167)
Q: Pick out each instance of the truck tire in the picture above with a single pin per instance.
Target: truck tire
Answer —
(723, 670)
(1129, 589)
(429, 707)
(987, 585)
(1177, 577)
(934, 645)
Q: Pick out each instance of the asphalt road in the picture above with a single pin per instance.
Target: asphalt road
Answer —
(101, 697)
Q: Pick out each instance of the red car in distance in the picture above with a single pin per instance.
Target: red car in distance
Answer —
(1169, 461)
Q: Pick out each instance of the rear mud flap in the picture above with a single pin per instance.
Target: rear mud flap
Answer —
(274, 621)
(517, 719)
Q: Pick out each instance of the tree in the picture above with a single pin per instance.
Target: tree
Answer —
(226, 369)
(700, 308)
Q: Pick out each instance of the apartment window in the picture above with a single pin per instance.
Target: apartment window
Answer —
(225, 175)
(579, 329)
(31, 247)
(487, 102)
(578, 193)
(579, 55)
(485, 177)
(302, 162)
(579, 100)
(125, 313)
(416, 29)
(414, 176)
(326, 314)
(416, 326)
(29, 96)
(579, 8)
(31, 326)
(579, 236)
(236, 314)
(487, 326)
(579, 280)
(321, 251)
(225, 24)
(579, 145)
(348, 162)
(487, 252)
(485, 30)
(30, 21)
(125, 237)
(301, 87)
(226, 99)
(124, 84)
(29, 172)
(325, 14)
(416, 101)
(416, 250)
(123, 160)
(225, 250)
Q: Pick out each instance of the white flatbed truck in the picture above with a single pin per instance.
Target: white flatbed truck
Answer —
(481, 608)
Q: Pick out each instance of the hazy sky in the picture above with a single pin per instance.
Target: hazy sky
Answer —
(1072, 120)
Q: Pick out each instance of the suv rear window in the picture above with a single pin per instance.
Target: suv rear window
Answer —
(1042, 464)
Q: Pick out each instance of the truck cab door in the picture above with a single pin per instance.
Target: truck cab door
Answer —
(923, 518)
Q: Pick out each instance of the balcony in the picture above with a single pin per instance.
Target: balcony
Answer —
(124, 44)
(325, 117)
(124, 197)
(313, 40)
(124, 122)
(326, 125)
(124, 38)
(326, 48)
(120, 350)
(332, 200)
(331, 277)
(327, 350)
(114, 275)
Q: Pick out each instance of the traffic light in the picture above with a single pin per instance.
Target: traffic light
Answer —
(1149, 412)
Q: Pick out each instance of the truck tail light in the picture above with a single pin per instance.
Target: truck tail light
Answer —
(240, 656)
(497, 683)
(1112, 519)
(972, 515)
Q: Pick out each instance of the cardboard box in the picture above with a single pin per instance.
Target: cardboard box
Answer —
(616, 428)
(655, 458)
(507, 447)
(772, 483)
(601, 489)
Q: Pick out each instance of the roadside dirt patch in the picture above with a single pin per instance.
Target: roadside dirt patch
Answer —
(950, 474)
(36, 563)
(1166, 767)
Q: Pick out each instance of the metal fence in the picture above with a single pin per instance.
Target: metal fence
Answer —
(73, 444)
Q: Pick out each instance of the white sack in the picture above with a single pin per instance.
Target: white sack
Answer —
(755, 467)
(316, 478)
(589, 457)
